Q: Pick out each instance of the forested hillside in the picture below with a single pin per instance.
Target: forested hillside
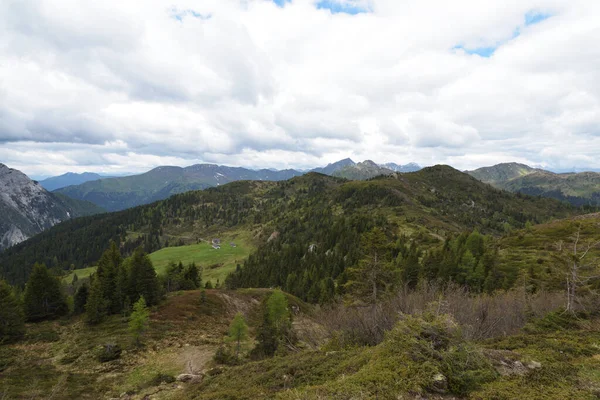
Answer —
(305, 210)
(580, 189)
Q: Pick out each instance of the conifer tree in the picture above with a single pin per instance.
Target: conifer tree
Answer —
(12, 320)
(108, 272)
(238, 332)
(275, 327)
(374, 273)
(43, 297)
(410, 267)
(138, 320)
(142, 279)
(80, 299)
(96, 305)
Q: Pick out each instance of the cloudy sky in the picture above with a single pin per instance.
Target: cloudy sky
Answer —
(123, 86)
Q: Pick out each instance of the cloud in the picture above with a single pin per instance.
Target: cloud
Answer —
(119, 86)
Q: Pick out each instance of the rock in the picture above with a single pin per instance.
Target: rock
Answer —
(273, 236)
(191, 378)
(534, 365)
(440, 383)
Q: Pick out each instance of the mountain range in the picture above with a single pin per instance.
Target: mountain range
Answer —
(115, 194)
(69, 179)
(579, 189)
(26, 208)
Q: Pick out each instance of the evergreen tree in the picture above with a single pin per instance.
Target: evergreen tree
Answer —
(143, 281)
(138, 321)
(238, 332)
(43, 297)
(96, 305)
(108, 272)
(375, 272)
(80, 299)
(275, 327)
(278, 312)
(12, 320)
(410, 267)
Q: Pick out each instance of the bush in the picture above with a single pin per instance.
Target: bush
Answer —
(161, 378)
(109, 352)
(555, 321)
(224, 355)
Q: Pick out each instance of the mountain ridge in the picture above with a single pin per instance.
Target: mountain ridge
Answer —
(26, 208)
(577, 188)
(114, 194)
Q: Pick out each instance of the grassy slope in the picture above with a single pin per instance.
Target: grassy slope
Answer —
(59, 356)
(533, 249)
(222, 261)
(227, 257)
(580, 185)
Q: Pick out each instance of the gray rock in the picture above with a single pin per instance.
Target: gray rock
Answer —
(191, 378)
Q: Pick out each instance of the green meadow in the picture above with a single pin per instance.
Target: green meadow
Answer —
(216, 264)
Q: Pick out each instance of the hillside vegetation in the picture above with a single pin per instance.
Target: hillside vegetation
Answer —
(430, 204)
(579, 189)
(422, 285)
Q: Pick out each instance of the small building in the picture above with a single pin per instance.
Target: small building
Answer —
(216, 244)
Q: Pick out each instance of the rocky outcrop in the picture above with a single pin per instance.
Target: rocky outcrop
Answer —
(26, 208)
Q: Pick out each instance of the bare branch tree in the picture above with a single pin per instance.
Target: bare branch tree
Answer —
(575, 262)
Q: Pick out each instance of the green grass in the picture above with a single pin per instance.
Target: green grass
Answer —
(204, 255)
(81, 273)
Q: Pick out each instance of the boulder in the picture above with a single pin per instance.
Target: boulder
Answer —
(191, 378)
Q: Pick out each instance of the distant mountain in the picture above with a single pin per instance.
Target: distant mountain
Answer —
(499, 174)
(26, 208)
(410, 167)
(333, 167)
(361, 171)
(69, 179)
(116, 194)
(577, 188)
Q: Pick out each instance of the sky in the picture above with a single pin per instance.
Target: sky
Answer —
(119, 86)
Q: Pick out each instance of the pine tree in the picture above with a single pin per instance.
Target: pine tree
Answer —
(75, 279)
(12, 320)
(238, 332)
(410, 267)
(96, 305)
(375, 272)
(43, 297)
(275, 327)
(80, 299)
(108, 272)
(142, 279)
(277, 306)
(138, 321)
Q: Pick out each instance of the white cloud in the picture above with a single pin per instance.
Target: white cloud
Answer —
(118, 86)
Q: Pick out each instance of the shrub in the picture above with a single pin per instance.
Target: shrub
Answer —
(109, 352)
(161, 378)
